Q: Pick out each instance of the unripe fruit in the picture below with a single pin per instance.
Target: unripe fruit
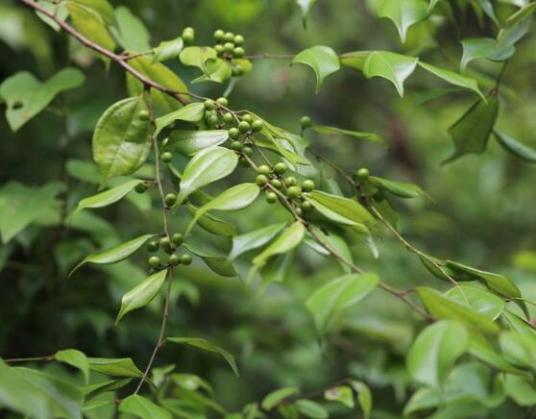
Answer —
(177, 239)
(294, 192)
(188, 35)
(305, 122)
(237, 70)
(165, 242)
(248, 151)
(247, 117)
(209, 105)
(234, 133)
(186, 259)
(308, 185)
(280, 168)
(141, 188)
(238, 52)
(166, 156)
(152, 246)
(174, 260)
(261, 180)
(299, 211)
(219, 35)
(271, 197)
(170, 199)
(306, 206)
(264, 169)
(236, 145)
(143, 115)
(228, 117)
(238, 39)
(244, 126)
(363, 173)
(213, 120)
(290, 181)
(228, 47)
(257, 125)
(228, 37)
(222, 101)
(154, 261)
(276, 183)
(219, 48)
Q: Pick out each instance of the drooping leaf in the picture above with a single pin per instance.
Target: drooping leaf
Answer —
(478, 299)
(401, 189)
(471, 132)
(207, 166)
(311, 409)
(306, 6)
(488, 48)
(519, 348)
(339, 209)
(102, 7)
(191, 142)
(514, 147)
(403, 13)
(168, 50)
(286, 241)
(132, 33)
(453, 78)
(435, 350)
(207, 346)
(25, 96)
(274, 398)
(339, 294)
(254, 239)
(368, 136)
(323, 60)
(213, 258)
(108, 197)
(143, 408)
(76, 359)
(115, 254)
(115, 367)
(197, 56)
(214, 224)
(142, 294)
(91, 24)
(341, 394)
(192, 112)
(391, 66)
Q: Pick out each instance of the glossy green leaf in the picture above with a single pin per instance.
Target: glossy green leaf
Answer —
(108, 197)
(274, 398)
(435, 350)
(215, 69)
(355, 59)
(90, 24)
(191, 142)
(207, 346)
(339, 294)
(516, 148)
(25, 96)
(391, 66)
(115, 254)
(488, 48)
(453, 78)
(121, 141)
(478, 299)
(285, 242)
(143, 408)
(339, 209)
(367, 136)
(197, 56)
(401, 189)
(142, 294)
(115, 367)
(213, 224)
(132, 33)
(306, 6)
(335, 242)
(471, 132)
(207, 166)
(311, 409)
(168, 50)
(341, 394)
(443, 308)
(323, 60)
(193, 112)
(519, 349)
(93, 390)
(213, 258)
(76, 359)
(254, 239)
(403, 13)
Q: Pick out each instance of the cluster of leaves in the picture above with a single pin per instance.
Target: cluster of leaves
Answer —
(165, 144)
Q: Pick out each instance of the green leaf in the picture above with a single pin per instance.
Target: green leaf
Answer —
(286, 241)
(115, 367)
(478, 299)
(391, 66)
(207, 166)
(21, 206)
(444, 308)
(470, 133)
(521, 390)
(143, 408)
(101, 7)
(341, 394)
(93, 390)
(368, 136)
(480, 348)
(432, 355)
(364, 397)
(337, 295)
(311, 409)
(90, 24)
(401, 189)
(132, 35)
(213, 224)
(76, 359)
(108, 197)
(519, 349)
(168, 50)
(121, 141)
(522, 14)
(488, 48)
(355, 59)
(191, 142)
(197, 56)
(403, 13)
(276, 397)
(26, 96)
(115, 254)
(207, 346)
(215, 69)
(339, 209)
(193, 112)
(306, 6)
(453, 78)
(515, 147)
(214, 259)
(323, 60)
(254, 239)
(142, 294)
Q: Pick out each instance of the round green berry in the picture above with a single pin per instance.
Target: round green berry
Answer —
(238, 39)
(238, 52)
(248, 151)
(228, 117)
(219, 49)
(188, 35)
(166, 156)
(247, 117)
(306, 206)
(236, 145)
(264, 169)
(244, 126)
(140, 188)
(143, 115)
(170, 199)
(290, 181)
(174, 260)
(261, 180)
(219, 34)
(280, 168)
(152, 246)
(276, 183)
(308, 185)
(223, 101)
(164, 242)
(228, 47)
(294, 192)
(305, 122)
(154, 261)
(234, 133)
(186, 259)
(271, 197)
(257, 125)
(363, 173)
(213, 120)
(237, 70)
(209, 105)
(228, 37)
(177, 239)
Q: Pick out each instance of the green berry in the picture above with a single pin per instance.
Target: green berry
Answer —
(306, 206)
(261, 180)
(154, 261)
(219, 34)
(228, 47)
(143, 115)
(228, 117)
(305, 122)
(247, 117)
(177, 239)
(280, 168)
(170, 199)
(276, 183)
(234, 133)
(174, 260)
(213, 120)
(188, 35)
(271, 197)
(152, 246)
(219, 48)
(243, 161)
(257, 125)
(165, 242)
(294, 192)
(222, 101)
(238, 39)
(244, 126)
(236, 145)
(308, 185)
(238, 52)
(166, 156)
(290, 181)
(209, 105)
(186, 259)
(264, 169)
(140, 188)
(237, 70)
(363, 173)
(248, 151)
(299, 211)
(228, 37)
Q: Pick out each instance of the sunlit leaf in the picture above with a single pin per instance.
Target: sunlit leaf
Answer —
(191, 142)
(323, 60)
(254, 239)
(193, 112)
(76, 359)
(108, 197)
(286, 241)
(403, 13)
(391, 66)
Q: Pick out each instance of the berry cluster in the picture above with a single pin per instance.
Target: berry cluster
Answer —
(169, 246)
(230, 46)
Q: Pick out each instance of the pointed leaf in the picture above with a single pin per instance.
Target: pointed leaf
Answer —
(488, 48)
(311, 409)
(143, 408)
(90, 24)
(453, 78)
(364, 397)
(286, 241)
(394, 67)
(191, 142)
(368, 136)
(323, 60)
(115, 367)
(168, 50)
(515, 147)
(274, 398)
(76, 359)
(478, 299)
(193, 112)
(339, 209)
(254, 239)
(108, 197)
(403, 13)
(401, 189)
(132, 33)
